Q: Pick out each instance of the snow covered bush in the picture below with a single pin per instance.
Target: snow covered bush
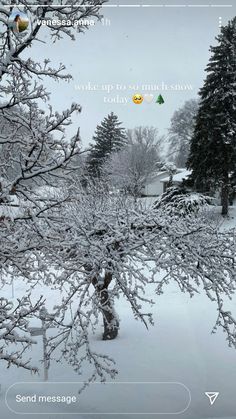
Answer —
(178, 201)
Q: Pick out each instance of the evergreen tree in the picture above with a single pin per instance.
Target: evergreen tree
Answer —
(109, 137)
(213, 145)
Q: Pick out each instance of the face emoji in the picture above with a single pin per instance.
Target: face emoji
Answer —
(137, 98)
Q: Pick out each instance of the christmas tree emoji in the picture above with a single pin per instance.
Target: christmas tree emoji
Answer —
(160, 100)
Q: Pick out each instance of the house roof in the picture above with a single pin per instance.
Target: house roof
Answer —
(160, 173)
(178, 177)
(165, 172)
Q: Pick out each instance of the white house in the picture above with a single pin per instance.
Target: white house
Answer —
(157, 185)
(176, 180)
(160, 182)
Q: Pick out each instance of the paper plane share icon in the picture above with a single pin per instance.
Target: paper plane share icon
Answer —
(212, 396)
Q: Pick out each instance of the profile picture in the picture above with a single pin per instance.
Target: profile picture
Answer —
(18, 21)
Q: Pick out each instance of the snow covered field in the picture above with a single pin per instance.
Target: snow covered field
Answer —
(178, 348)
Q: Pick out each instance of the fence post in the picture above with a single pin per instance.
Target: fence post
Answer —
(43, 313)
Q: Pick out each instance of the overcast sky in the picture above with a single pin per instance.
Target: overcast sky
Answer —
(141, 46)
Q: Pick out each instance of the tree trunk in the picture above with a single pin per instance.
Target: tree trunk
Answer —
(225, 196)
(110, 321)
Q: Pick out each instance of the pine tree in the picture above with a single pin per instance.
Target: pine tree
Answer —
(109, 137)
(160, 100)
(213, 146)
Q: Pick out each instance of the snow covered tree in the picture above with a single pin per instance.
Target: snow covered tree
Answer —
(90, 245)
(109, 137)
(134, 165)
(213, 146)
(110, 246)
(36, 156)
(181, 131)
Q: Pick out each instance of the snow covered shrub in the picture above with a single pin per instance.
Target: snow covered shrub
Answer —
(178, 201)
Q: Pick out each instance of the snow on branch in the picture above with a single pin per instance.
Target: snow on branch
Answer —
(110, 246)
(36, 158)
(14, 322)
(12, 45)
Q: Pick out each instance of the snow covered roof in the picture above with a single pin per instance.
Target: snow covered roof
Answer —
(160, 173)
(178, 177)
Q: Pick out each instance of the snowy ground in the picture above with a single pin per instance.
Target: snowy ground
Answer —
(179, 348)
